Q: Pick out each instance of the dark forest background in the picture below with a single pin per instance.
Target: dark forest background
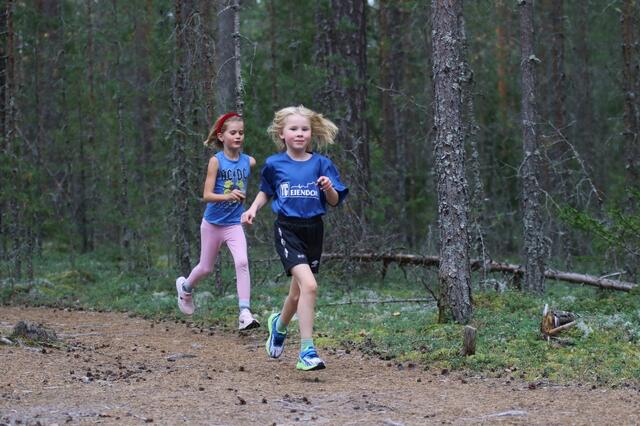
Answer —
(106, 104)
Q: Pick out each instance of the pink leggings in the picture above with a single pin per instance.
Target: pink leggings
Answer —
(212, 237)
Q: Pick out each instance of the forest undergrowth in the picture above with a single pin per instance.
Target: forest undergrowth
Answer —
(393, 318)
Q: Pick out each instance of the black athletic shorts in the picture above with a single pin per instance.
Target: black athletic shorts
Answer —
(299, 241)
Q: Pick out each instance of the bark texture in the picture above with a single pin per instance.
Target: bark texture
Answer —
(631, 88)
(182, 225)
(225, 57)
(448, 74)
(393, 62)
(534, 246)
(341, 52)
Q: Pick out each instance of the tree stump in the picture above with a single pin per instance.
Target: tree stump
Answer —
(35, 333)
(469, 342)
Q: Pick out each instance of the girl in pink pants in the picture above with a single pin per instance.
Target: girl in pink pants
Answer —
(224, 192)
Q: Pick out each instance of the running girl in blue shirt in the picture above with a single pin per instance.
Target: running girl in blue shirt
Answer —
(301, 183)
(224, 192)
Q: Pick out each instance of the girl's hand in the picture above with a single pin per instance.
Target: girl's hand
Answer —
(324, 183)
(247, 217)
(236, 195)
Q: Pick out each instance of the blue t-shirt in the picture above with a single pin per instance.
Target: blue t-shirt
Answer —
(293, 184)
(232, 174)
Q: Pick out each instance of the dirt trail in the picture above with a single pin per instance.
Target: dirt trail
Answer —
(122, 370)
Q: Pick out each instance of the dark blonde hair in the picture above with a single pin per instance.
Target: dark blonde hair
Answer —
(323, 131)
(219, 127)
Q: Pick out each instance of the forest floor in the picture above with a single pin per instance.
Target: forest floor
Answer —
(113, 368)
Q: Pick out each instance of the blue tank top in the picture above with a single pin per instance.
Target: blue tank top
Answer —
(232, 174)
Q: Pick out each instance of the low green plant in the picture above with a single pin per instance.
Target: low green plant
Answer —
(393, 319)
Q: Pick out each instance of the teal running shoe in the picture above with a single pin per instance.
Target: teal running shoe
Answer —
(309, 360)
(275, 343)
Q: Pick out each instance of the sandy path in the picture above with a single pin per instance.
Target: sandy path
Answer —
(118, 371)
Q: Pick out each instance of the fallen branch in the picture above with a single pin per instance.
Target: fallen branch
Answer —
(376, 302)
(557, 330)
(489, 266)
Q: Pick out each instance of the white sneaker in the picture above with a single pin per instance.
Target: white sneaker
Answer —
(185, 300)
(246, 321)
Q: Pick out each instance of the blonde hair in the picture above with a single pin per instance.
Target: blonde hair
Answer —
(323, 131)
(219, 127)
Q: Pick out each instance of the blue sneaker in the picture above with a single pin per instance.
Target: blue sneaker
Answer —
(275, 343)
(309, 360)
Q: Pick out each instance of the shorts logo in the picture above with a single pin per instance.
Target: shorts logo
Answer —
(314, 263)
(301, 256)
(310, 190)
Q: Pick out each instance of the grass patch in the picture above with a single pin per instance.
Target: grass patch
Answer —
(603, 349)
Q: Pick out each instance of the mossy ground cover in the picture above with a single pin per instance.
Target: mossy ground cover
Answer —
(391, 318)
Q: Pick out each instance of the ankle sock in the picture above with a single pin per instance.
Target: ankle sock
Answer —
(306, 344)
(244, 304)
(187, 287)
(280, 327)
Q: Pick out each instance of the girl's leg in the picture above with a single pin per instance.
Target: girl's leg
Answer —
(211, 238)
(290, 304)
(237, 243)
(307, 287)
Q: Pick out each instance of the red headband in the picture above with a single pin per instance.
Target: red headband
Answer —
(222, 119)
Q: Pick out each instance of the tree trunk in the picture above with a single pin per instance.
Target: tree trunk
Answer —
(352, 49)
(273, 50)
(341, 53)
(210, 23)
(448, 73)
(144, 110)
(4, 147)
(181, 214)
(394, 140)
(239, 84)
(476, 202)
(86, 235)
(585, 117)
(391, 62)
(226, 96)
(124, 204)
(502, 52)
(534, 248)
(630, 79)
(558, 75)
(15, 216)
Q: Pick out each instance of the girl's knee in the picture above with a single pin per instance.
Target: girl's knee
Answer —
(309, 287)
(205, 270)
(241, 264)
